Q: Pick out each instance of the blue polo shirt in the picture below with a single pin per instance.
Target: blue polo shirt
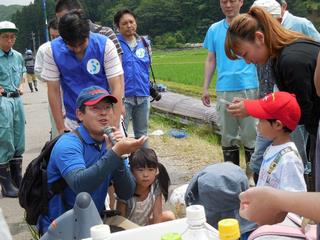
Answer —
(233, 75)
(76, 74)
(68, 154)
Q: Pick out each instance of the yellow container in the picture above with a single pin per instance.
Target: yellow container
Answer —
(229, 229)
(171, 236)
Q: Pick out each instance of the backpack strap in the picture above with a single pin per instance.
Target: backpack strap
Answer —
(59, 185)
(275, 162)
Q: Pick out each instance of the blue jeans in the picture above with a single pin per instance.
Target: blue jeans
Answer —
(299, 137)
(137, 110)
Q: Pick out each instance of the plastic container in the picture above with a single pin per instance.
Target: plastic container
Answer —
(197, 228)
(229, 229)
(100, 232)
(156, 231)
(171, 236)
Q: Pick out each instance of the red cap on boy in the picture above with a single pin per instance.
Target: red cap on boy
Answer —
(281, 106)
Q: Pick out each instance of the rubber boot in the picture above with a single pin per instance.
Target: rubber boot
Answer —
(255, 178)
(7, 187)
(35, 85)
(231, 154)
(247, 155)
(30, 86)
(16, 170)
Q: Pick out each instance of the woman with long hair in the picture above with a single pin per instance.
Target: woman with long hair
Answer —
(256, 37)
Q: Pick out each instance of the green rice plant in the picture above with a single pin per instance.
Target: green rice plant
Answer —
(181, 71)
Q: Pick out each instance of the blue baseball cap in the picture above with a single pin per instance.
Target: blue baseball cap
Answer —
(92, 95)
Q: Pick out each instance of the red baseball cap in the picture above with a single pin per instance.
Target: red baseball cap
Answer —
(281, 106)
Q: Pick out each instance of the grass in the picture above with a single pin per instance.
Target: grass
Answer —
(182, 71)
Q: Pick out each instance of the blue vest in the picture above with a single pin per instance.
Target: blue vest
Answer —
(75, 74)
(136, 69)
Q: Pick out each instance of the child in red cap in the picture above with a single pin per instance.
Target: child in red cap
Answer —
(282, 166)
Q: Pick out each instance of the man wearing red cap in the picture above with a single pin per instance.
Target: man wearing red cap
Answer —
(282, 166)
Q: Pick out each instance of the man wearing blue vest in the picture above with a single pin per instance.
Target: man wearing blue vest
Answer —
(12, 119)
(234, 79)
(135, 63)
(76, 60)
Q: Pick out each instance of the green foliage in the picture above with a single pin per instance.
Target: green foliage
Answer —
(6, 12)
(168, 23)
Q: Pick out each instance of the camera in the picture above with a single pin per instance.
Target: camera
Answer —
(154, 93)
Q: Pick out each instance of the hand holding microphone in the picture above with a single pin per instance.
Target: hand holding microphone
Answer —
(122, 146)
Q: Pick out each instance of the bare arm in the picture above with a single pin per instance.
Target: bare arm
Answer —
(317, 76)
(54, 97)
(117, 88)
(265, 205)
(210, 66)
(122, 208)
(157, 210)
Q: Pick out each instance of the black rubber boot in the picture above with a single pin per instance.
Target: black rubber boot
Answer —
(255, 177)
(231, 154)
(30, 86)
(16, 170)
(7, 187)
(35, 85)
(247, 155)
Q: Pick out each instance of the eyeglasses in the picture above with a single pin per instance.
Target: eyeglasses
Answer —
(8, 36)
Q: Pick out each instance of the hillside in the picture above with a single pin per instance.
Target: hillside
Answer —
(7, 11)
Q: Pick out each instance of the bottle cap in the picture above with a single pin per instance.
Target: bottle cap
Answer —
(100, 232)
(195, 215)
(171, 236)
(229, 229)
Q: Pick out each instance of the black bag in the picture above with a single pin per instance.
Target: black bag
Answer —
(34, 194)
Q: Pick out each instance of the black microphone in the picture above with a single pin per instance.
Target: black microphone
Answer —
(109, 132)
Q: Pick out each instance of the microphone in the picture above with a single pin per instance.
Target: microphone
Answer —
(109, 132)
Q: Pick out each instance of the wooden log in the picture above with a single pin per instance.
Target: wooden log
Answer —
(186, 106)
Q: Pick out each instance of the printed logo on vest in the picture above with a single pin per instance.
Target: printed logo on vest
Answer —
(140, 53)
(93, 66)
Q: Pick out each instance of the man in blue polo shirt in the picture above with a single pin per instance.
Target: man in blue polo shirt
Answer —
(235, 79)
(89, 162)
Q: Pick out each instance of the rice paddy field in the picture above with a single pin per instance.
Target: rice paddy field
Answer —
(181, 70)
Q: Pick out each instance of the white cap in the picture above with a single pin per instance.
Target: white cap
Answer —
(196, 215)
(271, 6)
(100, 232)
(6, 26)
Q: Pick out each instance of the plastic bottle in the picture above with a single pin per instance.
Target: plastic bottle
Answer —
(100, 232)
(229, 229)
(171, 236)
(197, 229)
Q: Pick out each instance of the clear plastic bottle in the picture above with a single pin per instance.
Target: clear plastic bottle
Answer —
(229, 229)
(197, 229)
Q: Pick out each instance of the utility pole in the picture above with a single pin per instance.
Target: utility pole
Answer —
(33, 41)
(46, 35)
